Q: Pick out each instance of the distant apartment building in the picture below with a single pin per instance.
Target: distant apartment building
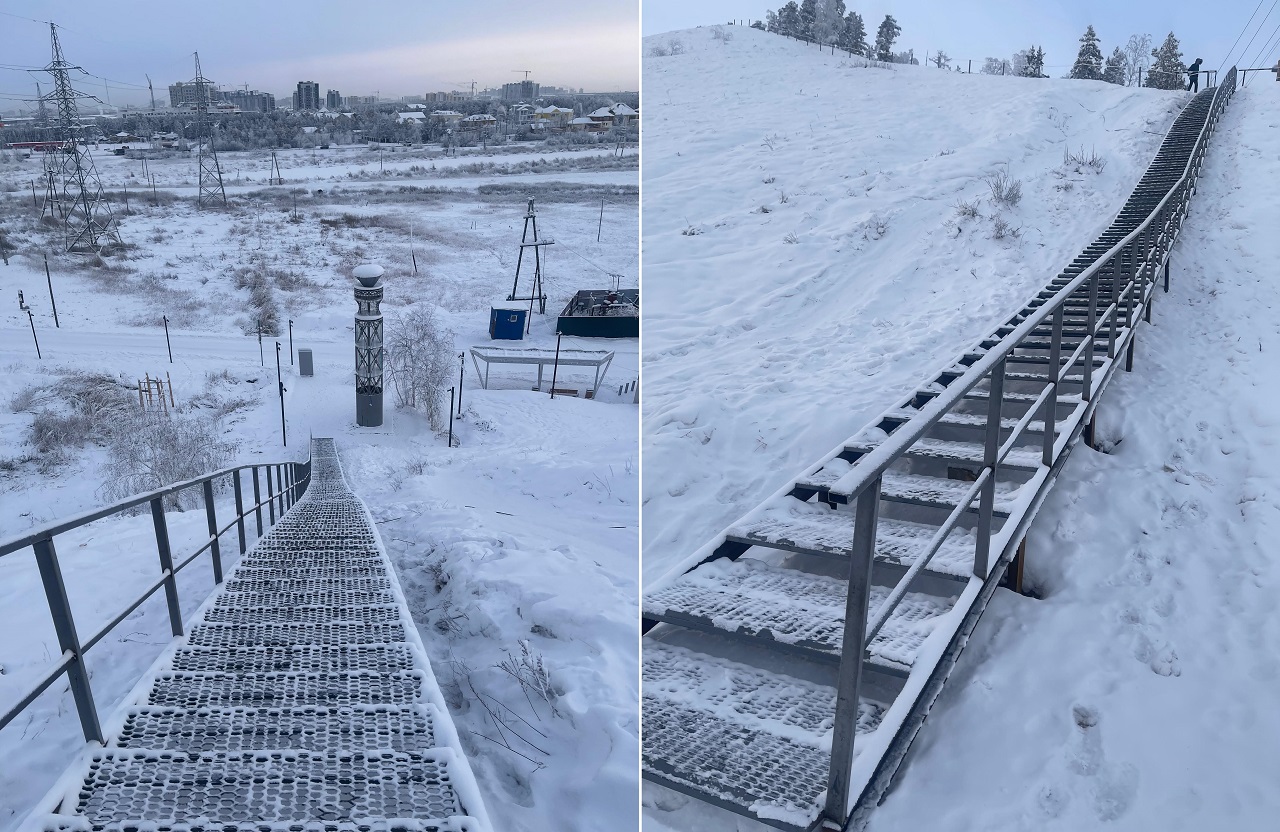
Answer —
(251, 101)
(184, 95)
(360, 100)
(520, 91)
(333, 100)
(307, 96)
(445, 97)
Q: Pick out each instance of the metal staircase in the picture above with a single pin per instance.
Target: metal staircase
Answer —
(789, 663)
(300, 699)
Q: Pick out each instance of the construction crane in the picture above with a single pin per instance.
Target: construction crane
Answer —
(152, 91)
(463, 84)
(525, 71)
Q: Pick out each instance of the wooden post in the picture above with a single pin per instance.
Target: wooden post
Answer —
(171, 403)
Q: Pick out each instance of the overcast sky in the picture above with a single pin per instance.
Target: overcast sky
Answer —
(998, 28)
(398, 48)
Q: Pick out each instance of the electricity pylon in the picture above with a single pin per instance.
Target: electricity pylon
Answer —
(211, 189)
(87, 219)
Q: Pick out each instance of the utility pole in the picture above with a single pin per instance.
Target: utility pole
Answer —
(168, 345)
(291, 342)
(462, 371)
(284, 435)
(52, 302)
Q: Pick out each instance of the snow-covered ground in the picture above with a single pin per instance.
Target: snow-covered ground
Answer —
(805, 262)
(523, 537)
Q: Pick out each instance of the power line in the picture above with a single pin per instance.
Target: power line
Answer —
(1242, 31)
(29, 19)
(1262, 23)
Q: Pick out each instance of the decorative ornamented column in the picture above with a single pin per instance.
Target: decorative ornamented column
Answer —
(370, 354)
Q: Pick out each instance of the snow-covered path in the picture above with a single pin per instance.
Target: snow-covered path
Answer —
(1140, 691)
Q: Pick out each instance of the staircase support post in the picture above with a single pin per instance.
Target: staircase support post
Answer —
(987, 499)
(857, 603)
(1055, 373)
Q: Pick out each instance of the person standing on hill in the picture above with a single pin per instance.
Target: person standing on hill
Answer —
(1193, 71)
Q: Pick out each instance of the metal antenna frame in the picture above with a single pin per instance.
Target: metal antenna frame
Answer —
(207, 158)
(89, 224)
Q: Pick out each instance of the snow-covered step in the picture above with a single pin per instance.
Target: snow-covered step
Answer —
(236, 613)
(913, 489)
(813, 528)
(267, 787)
(302, 658)
(791, 610)
(949, 451)
(287, 635)
(969, 420)
(723, 728)
(303, 728)
(335, 594)
(285, 588)
(225, 690)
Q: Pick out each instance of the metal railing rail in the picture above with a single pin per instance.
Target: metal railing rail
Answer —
(1136, 260)
(291, 481)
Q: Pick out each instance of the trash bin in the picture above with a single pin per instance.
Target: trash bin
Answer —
(305, 365)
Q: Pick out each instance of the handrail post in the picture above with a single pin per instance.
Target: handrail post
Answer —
(257, 499)
(166, 564)
(1055, 370)
(1114, 269)
(55, 592)
(271, 498)
(856, 610)
(280, 487)
(1086, 392)
(239, 492)
(987, 503)
(215, 553)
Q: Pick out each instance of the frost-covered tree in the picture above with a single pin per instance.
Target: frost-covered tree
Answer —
(808, 18)
(1114, 73)
(854, 36)
(758, 24)
(1032, 63)
(941, 60)
(885, 37)
(770, 21)
(1167, 68)
(829, 21)
(1088, 65)
(789, 20)
(907, 57)
(996, 66)
(1137, 59)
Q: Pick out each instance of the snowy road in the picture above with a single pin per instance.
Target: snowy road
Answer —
(1141, 692)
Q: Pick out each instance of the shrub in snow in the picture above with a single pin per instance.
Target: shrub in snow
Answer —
(74, 410)
(671, 47)
(1001, 230)
(721, 35)
(1083, 160)
(147, 451)
(421, 362)
(968, 210)
(1005, 190)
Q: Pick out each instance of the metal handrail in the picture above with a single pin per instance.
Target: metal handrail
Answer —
(1148, 244)
(292, 481)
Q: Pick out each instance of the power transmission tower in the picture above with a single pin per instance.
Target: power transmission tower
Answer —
(87, 218)
(210, 172)
(536, 292)
(42, 115)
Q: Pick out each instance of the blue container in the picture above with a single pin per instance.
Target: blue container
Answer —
(506, 323)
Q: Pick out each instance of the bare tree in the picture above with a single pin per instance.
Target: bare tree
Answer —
(420, 361)
(941, 60)
(1137, 59)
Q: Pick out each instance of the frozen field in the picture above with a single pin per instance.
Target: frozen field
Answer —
(523, 537)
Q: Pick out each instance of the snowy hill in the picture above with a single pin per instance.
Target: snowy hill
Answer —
(805, 259)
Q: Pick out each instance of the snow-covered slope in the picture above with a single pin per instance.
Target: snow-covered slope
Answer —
(1140, 692)
(805, 262)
